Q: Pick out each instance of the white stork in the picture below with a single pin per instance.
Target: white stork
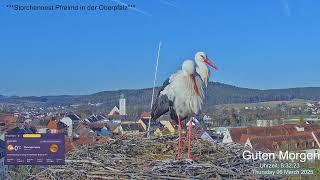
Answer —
(182, 94)
(202, 70)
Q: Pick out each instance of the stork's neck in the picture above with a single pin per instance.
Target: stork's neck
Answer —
(203, 71)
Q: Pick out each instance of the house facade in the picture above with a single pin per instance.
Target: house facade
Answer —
(2, 136)
(8, 118)
(227, 137)
(167, 125)
(114, 110)
(68, 122)
(289, 137)
(132, 129)
(295, 143)
(121, 108)
(2, 154)
(118, 130)
(2, 166)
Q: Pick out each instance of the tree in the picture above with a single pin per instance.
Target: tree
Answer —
(301, 120)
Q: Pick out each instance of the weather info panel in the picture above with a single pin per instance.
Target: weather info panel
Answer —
(35, 149)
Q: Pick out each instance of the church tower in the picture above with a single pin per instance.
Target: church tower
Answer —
(122, 105)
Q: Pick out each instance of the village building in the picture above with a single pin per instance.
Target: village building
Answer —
(101, 129)
(144, 121)
(5, 128)
(2, 154)
(206, 136)
(267, 122)
(118, 130)
(52, 127)
(69, 145)
(68, 122)
(41, 125)
(164, 128)
(238, 134)
(82, 136)
(159, 128)
(62, 128)
(168, 126)
(300, 142)
(75, 118)
(122, 105)
(220, 130)
(104, 131)
(158, 132)
(207, 120)
(129, 129)
(2, 134)
(7, 119)
(21, 129)
(290, 137)
(121, 108)
(132, 129)
(114, 110)
(96, 118)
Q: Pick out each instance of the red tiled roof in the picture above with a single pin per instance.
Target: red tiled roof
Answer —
(145, 115)
(127, 122)
(115, 115)
(83, 131)
(7, 127)
(52, 125)
(8, 118)
(241, 134)
(311, 127)
(236, 133)
(112, 126)
(244, 138)
(97, 125)
(292, 142)
(69, 146)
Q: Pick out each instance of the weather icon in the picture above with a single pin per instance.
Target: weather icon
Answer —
(10, 147)
(54, 148)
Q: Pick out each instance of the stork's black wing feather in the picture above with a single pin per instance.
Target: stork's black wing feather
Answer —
(162, 103)
(164, 85)
(160, 106)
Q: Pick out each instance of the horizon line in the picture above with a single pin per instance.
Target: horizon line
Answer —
(142, 88)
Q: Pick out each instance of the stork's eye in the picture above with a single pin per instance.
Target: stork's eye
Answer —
(203, 58)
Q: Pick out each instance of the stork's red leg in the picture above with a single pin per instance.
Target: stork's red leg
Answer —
(189, 138)
(179, 141)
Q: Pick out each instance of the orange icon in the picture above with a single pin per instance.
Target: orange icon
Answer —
(54, 148)
(10, 147)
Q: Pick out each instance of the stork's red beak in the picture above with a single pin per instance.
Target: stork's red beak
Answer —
(210, 63)
(195, 87)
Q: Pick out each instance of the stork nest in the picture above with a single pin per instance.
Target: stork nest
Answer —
(142, 158)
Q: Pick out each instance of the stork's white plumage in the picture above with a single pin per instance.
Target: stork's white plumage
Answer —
(185, 91)
(182, 94)
(202, 61)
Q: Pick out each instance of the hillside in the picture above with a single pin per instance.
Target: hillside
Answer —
(217, 93)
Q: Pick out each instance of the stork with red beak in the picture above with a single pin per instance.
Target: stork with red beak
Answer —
(202, 71)
(182, 94)
(202, 61)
